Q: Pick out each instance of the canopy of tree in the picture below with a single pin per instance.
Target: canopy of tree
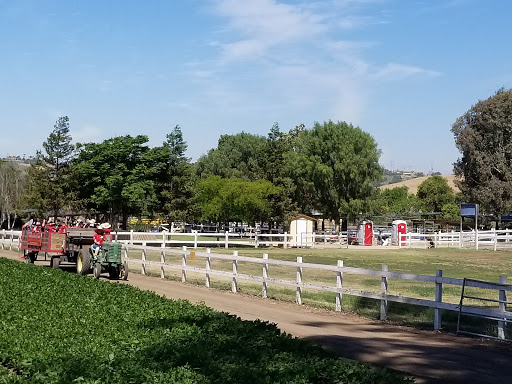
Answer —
(483, 135)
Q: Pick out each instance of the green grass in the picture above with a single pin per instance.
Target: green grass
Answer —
(58, 327)
(482, 265)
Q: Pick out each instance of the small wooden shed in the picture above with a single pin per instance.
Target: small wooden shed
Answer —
(302, 227)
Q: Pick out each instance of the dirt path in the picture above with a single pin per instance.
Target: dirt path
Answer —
(430, 356)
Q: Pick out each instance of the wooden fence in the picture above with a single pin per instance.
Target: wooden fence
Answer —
(337, 272)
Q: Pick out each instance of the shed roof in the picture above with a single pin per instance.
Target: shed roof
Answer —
(302, 216)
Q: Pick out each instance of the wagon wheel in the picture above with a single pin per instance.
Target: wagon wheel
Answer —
(97, 270)
(55, 262)
(26, 256)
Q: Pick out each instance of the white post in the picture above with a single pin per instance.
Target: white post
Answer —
(384, 291)
(339, 286)
(460, 238)
(131, 236)
(265, 276)
(255, 240)
(226, 240)
(399, 240)
(285, 240)
(503, 307)
(476, 238)
(164, 238)
(183, 265)
(12, 239)
(208, 268)
(144, 261)
(439, 299)
(195, 240)
(126, 254)
(162, 260)
(298, 296)
(410, 239)
(3, 238)
(234, 283)
(495, 238)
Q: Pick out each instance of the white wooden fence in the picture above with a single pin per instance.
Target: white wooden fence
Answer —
(339, 289)
(490, 240)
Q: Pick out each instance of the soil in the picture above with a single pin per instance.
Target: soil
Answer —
(429, 356)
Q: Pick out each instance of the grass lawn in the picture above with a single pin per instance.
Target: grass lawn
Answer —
(482, 265)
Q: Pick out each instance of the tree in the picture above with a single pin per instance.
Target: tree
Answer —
(173, 176)
(236, 156)
(48, 180)
(11, 187)
(483, 135)
(435, 193)
(223, 200)
(398, 201)
(336, 165)
(114, 178)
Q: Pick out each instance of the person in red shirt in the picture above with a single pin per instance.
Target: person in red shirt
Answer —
(99, 237)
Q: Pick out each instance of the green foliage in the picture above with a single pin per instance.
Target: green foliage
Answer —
(435, 193)
(111, 333)
(12, 182)
(398, 201)
(114, 176)
(223, 200)
(483, 135)
(451, 211)
(335, 167)
(49, 177)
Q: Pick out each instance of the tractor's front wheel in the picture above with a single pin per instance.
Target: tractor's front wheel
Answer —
(114, 271)
(97, 270)
(83, 262)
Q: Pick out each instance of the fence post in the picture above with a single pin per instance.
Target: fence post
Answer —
(298, 296)
(195, 240)
(339, 286)
(265, 276)
(495, 237)
(131, 236)
(255, 240)
(3, 238)
(460, 238)
(164, 238)
(384, 291)
(285, 240)
(439, 299)
(226, 240)
(503, 307)
(183, 265)
(435, 239)
(11, 240)
(234, 283)
(476, 238)
(410, 240)
(162, 260)
(208, 268)
(144, 260)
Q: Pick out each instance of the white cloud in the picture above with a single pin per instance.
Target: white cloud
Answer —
(394, 72)
(87, 133)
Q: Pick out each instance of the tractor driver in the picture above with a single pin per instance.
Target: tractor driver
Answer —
(99, 237)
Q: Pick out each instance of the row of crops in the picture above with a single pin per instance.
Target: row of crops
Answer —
(57, 327)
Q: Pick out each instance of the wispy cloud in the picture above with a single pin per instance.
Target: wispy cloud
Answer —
(305, 52)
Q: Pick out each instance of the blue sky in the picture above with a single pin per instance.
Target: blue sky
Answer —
(402, 70)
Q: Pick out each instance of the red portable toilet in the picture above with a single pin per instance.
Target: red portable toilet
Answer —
(399, 228)
(365, 233)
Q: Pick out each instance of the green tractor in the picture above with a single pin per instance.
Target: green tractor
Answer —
(108, 259)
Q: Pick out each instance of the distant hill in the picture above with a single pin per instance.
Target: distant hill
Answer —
(413, 184)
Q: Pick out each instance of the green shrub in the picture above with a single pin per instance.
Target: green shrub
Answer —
(57, 327)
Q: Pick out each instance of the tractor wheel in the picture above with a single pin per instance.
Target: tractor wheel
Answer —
(97, 270)
(32, 256)
(124, 271)
(114, 271)
(26, 256)
(55, 262)
(83, 262)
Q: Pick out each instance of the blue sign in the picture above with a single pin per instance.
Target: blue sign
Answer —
(469, 210)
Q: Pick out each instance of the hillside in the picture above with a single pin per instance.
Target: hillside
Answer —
(413, 184)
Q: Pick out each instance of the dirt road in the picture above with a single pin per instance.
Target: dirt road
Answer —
(430, 356)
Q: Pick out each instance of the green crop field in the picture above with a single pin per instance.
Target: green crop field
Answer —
(482, 265)
(58, 327)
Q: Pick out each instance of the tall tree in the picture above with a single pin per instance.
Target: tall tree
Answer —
(483, 135)
(435, 193)
(11, 187)
(173, 176)
(337, 165)
(114, 177)
(49, 176)
(236, 156)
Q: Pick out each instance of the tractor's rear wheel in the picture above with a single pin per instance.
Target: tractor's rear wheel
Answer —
(124, 271)
(97, 270)
(83, 262)
(55, 262)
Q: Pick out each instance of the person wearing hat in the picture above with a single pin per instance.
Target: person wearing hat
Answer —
(98, 238)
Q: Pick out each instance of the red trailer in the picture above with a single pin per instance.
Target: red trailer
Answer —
(59, 247)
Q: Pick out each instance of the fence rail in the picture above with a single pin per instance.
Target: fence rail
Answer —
(338, 270)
